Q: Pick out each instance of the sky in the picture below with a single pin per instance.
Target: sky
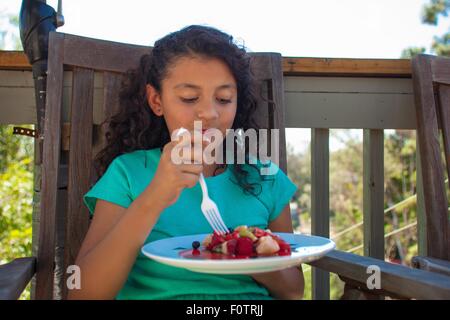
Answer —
(295, 28)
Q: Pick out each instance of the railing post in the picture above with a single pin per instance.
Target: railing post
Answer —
(373, 193)
(320, 204)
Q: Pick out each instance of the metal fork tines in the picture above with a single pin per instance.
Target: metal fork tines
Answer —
(210, 210)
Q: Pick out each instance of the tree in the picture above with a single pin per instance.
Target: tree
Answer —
(9, 28)
(410, 52)
(430, 15)
(16, 175)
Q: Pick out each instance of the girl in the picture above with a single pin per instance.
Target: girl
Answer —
(195, 74)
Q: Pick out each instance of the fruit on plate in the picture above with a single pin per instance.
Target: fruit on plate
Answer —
(246, 241)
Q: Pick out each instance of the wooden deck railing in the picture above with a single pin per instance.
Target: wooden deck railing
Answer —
(323, 94)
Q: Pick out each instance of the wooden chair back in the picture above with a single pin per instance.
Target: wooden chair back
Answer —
(431, 79)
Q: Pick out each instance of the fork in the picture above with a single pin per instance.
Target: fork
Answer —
(210, 210)
(208, 207)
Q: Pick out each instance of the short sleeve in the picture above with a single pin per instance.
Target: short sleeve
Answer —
(113, 186)
(283, 189)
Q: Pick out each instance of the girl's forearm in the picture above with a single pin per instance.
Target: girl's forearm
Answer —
(286, 284)
(104, 269)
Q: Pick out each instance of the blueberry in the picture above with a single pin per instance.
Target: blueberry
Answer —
(195, 244)
(230, 230)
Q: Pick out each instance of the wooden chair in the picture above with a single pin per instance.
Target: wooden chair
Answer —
(431, 79)
(67, 167)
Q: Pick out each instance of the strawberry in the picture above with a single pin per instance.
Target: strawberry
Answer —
(244, 247)
(230, 236)
(215, 240)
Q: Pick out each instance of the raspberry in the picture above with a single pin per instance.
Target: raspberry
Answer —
(285, 248)
(231, 246)
(244, 247)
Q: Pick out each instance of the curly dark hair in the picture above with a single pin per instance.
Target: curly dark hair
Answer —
(136, 127)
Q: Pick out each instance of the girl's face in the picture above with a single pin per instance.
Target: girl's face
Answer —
(196, 89)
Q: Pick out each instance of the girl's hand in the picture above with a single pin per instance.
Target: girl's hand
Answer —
(171, 176)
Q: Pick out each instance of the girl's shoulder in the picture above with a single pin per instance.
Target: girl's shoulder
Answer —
(138, 159)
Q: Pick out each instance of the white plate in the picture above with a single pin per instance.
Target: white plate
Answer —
(304, 249)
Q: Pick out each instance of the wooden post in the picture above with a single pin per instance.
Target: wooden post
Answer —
(320, 204)
(373, 193)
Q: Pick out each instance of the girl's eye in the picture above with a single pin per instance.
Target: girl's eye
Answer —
(224, 101)
(189, 100)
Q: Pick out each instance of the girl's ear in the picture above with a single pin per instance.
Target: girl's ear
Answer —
(154, 100)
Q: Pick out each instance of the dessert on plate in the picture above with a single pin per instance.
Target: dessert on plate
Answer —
(243, 242)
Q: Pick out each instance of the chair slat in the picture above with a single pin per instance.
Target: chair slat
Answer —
(267, 70)
(259, 65)
(80, 158)
(277, 111)
(50, 166)
(421, 215)
(111, 87)
(444, 109)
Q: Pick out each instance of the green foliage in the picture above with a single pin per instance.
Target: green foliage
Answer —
(411, 52)
(432, 11)
(16, 194)
(430, 15)
(441, 45)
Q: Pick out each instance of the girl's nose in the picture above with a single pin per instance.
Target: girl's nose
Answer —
(207, 112)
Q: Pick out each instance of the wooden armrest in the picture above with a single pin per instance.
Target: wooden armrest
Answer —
(431, 264)
(397, 279)
(15, 276)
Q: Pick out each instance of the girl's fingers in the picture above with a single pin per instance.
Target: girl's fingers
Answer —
(191, 168)
(188, 179)
(188, 151)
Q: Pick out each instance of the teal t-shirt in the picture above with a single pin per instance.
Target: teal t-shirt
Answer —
(129, 174)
